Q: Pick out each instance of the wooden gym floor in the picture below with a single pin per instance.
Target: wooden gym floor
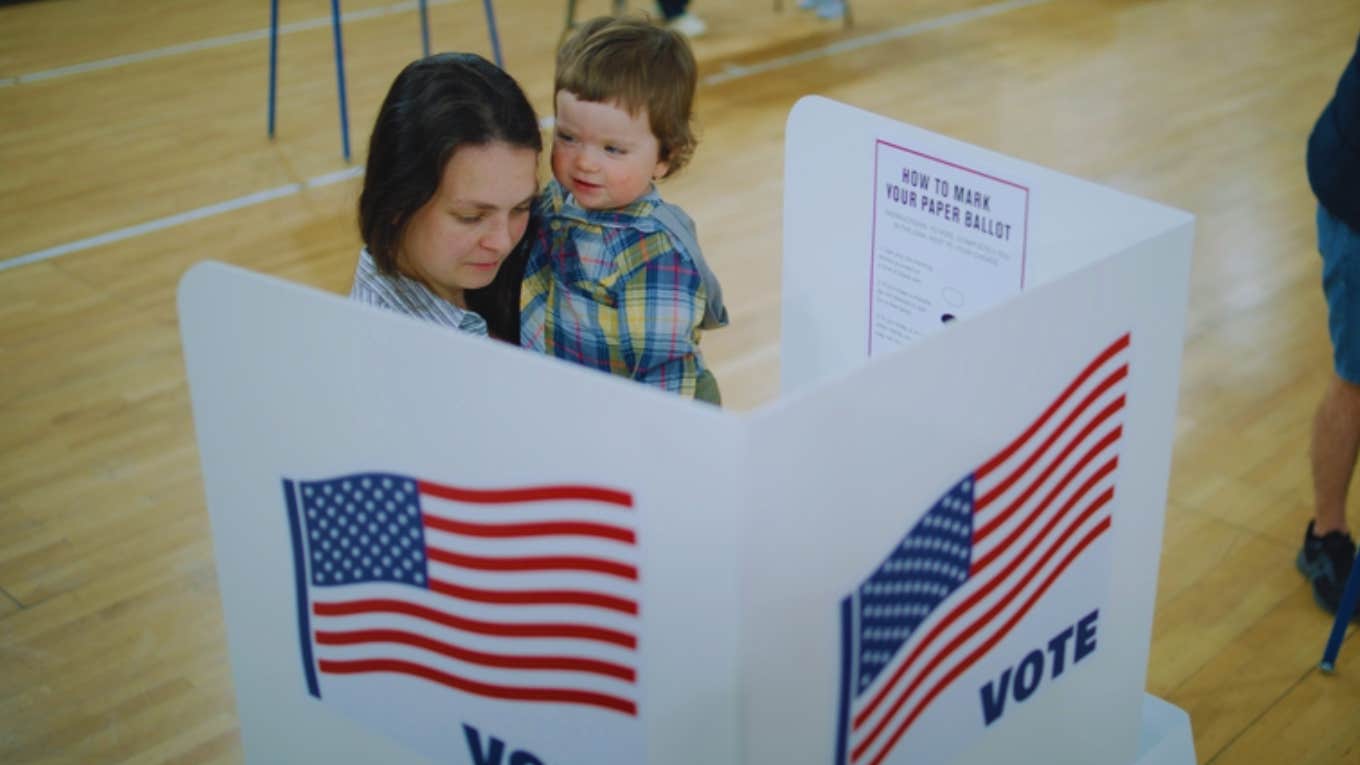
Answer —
(132, 145)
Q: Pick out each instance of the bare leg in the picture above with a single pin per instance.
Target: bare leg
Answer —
(1336, 443)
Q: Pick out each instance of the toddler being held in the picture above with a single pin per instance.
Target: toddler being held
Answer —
(615, 279)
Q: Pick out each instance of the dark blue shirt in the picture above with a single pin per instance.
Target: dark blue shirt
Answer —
(1334, 148)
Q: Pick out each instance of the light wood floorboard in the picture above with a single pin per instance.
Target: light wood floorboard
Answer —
(111, 640)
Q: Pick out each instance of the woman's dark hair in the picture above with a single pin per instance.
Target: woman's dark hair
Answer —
(437, 105)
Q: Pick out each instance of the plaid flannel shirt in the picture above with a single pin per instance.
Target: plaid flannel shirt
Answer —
(616, 291)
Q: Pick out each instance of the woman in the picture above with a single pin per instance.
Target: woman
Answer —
(450, 180)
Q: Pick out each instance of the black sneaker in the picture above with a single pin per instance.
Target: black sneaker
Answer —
(1326, 562)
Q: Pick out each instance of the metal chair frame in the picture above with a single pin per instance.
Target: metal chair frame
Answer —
(340, 58)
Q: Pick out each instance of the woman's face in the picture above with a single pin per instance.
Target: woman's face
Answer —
(458, 239)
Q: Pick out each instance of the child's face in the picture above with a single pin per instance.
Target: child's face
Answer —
(457, 240)
(603, 155)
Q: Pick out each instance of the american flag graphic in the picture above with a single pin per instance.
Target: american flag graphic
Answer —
(522, 595)
(978, 561)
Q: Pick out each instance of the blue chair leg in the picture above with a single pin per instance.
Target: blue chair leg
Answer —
(571, 21)
(340, 77)
(1344, 611)
(491, 30)
(425, 27)
(273, 59)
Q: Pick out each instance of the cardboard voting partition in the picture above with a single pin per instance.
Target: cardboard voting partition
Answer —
(890, 232)
(938, 546)
(567, 526)
(1076, 371)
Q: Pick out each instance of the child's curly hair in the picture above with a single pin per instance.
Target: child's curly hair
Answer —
(637, 65)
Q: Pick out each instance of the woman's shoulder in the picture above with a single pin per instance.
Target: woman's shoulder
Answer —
(407, 296)
(369, 282)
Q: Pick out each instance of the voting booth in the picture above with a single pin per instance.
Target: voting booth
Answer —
(938, 545)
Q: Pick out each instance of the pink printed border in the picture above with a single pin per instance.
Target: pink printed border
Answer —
(873, 236)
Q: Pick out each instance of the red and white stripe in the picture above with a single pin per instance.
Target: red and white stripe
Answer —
(1038, 504)
(533, 596)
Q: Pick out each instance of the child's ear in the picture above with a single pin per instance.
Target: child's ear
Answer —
(662, 167)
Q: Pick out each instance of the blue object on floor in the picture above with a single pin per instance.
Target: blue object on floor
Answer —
(1344, 611)
(491, 32)
(340, 76)
(424, 28)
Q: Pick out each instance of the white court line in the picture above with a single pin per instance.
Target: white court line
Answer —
(210, 43)
(728, 75)
(217, 208)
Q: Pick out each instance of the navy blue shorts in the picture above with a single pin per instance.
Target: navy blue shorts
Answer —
(1340, 248)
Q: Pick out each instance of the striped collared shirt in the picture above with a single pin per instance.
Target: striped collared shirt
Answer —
(405, 295)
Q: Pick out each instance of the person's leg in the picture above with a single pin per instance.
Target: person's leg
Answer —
(1336, 444)
(680, 19)
(672, 8)
(1328, 551)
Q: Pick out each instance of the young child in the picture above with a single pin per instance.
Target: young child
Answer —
(615, 279)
